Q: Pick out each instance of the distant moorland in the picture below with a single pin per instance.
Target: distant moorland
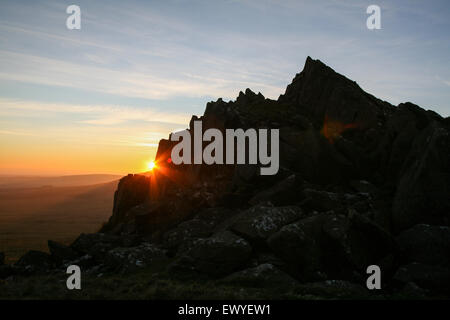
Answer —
(35, 209)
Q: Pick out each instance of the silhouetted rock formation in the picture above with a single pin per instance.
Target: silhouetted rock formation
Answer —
(361, 182)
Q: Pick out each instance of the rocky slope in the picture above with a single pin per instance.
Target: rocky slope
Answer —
(361, 182)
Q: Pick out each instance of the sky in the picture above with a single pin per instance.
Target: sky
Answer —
(98, 99)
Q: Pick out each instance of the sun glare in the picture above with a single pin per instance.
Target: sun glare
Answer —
(151, 165)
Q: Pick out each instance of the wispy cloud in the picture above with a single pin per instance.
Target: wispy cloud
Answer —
(15, 133)
(95, 114)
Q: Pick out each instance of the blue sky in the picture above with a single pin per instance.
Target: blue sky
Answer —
(138, 69)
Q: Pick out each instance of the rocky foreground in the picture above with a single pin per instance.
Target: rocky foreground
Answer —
(361, 182)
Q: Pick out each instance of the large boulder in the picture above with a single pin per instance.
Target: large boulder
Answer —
(216, 256)
(426, 244)
(365, 242)
(260, 222)
(299, 245)
(313, 246)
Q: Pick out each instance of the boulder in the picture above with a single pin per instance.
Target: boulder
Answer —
(299, 245)
(35, 262)
(95, 244)
(315, 245)
(412, 291)
(260, 222)
(216, 256)
(263, 276)
(186, 232)
(215, 216)
(363, 186)
(130, 259)
(322, 200)
(426, 276)
(426, 244)
(277, 194)
(367, 242)
(354, 243)
(85, 262)
(60, 252)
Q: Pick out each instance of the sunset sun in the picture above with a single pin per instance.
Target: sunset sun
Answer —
(151, 165)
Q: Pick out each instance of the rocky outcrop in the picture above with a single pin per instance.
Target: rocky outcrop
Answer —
(361, 182)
